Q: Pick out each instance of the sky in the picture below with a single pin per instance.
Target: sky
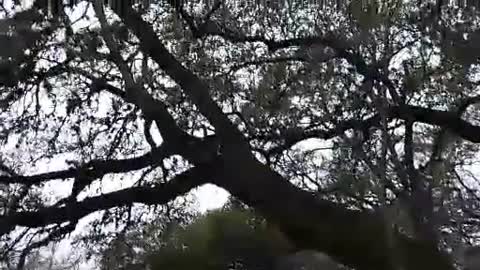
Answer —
(208, 196)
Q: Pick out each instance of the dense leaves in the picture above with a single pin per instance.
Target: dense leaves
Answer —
(347, 122)
(221, 239)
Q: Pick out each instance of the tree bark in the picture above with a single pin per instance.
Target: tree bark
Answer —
(354, 238)
(351, 237)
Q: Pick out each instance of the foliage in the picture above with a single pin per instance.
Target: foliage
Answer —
(231, 237)
(221, 239)
(131, 246)
(362, 108)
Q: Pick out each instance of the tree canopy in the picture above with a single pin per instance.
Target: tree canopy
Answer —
(351, 126)
(228, 238)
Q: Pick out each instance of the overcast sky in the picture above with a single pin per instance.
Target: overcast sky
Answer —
(208, 196)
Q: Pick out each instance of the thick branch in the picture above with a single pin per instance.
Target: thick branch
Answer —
(161, 194)
(448, 120)
(444, 119)
(196, 89)
(294, 138)
(135, 93)
(97, 167)
(351, 237)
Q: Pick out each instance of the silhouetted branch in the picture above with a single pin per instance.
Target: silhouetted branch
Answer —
(73, 211)
(195, 88)
(451, 121)
(98, 168)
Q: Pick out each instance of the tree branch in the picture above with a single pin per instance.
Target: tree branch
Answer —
(354, 238)
(134, 92)
(196, 89)
(448, 120)
(342, 48)
(57, 233)
(296, 137)
(97, 167)
(161, 194)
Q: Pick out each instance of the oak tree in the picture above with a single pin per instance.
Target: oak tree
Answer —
(351, 127)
